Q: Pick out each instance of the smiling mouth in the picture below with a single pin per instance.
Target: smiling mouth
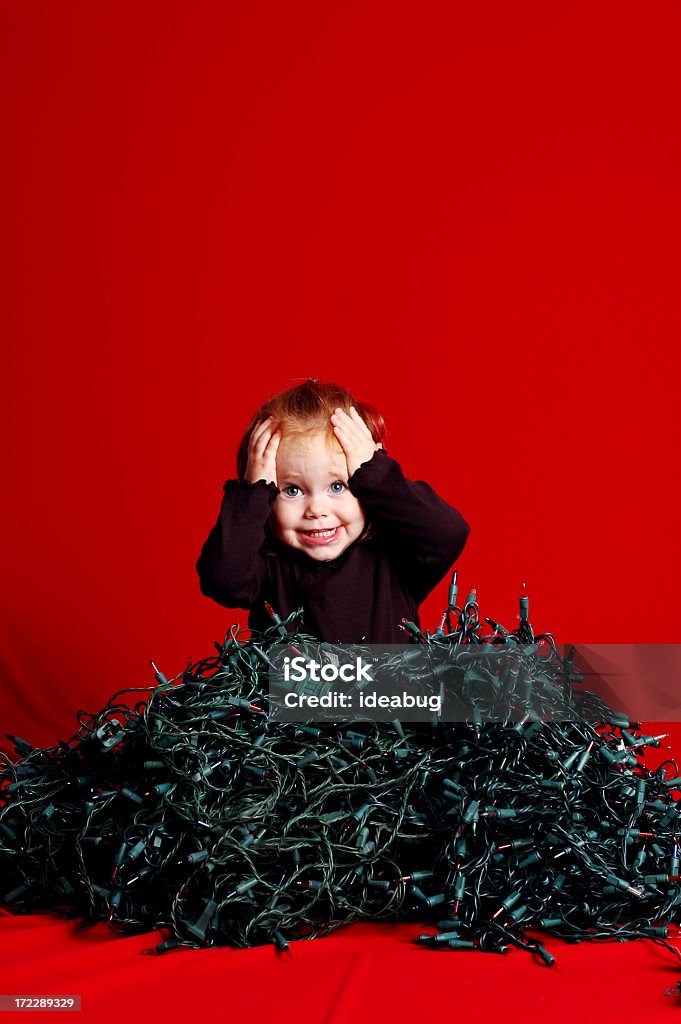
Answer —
(319, 533)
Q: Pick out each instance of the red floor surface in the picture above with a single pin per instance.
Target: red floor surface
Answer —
(360, 973)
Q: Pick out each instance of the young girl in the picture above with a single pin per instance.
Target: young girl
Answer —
(321, 517)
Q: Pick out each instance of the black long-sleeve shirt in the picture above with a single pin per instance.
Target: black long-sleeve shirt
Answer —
(364, 592)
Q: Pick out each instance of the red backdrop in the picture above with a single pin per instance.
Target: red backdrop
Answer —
(466, 213)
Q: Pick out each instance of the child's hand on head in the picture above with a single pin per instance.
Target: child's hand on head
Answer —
(262, 452)
(354, 437)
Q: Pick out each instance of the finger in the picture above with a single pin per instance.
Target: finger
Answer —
(274, 440)
(348, 434)
(344, 441)
(342, 430)
(261, 439)
(260, 424)
(356, 418)
(354, 441)
(258, 428)
(349, 437)
(341, 417)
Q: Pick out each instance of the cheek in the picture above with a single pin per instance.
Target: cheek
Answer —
(355, 513)
(280, 518)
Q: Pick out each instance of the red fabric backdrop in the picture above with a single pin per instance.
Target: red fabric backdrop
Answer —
(469, 214)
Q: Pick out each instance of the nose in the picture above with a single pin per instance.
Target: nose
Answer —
(315, 507)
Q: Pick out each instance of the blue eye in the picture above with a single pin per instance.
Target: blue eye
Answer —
(291, 487)
(338, 483)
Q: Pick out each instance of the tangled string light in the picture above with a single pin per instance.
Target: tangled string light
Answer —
(194, 811)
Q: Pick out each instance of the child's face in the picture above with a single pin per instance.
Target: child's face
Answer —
(314, 495)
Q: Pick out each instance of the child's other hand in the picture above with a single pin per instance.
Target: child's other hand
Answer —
(262, 452)
(354, 438)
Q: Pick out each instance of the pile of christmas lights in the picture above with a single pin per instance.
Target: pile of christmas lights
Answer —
(194, 811)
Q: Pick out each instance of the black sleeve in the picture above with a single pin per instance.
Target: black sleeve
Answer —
(427, 534)
(232, 570)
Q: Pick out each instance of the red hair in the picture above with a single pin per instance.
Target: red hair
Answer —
(306, 409)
